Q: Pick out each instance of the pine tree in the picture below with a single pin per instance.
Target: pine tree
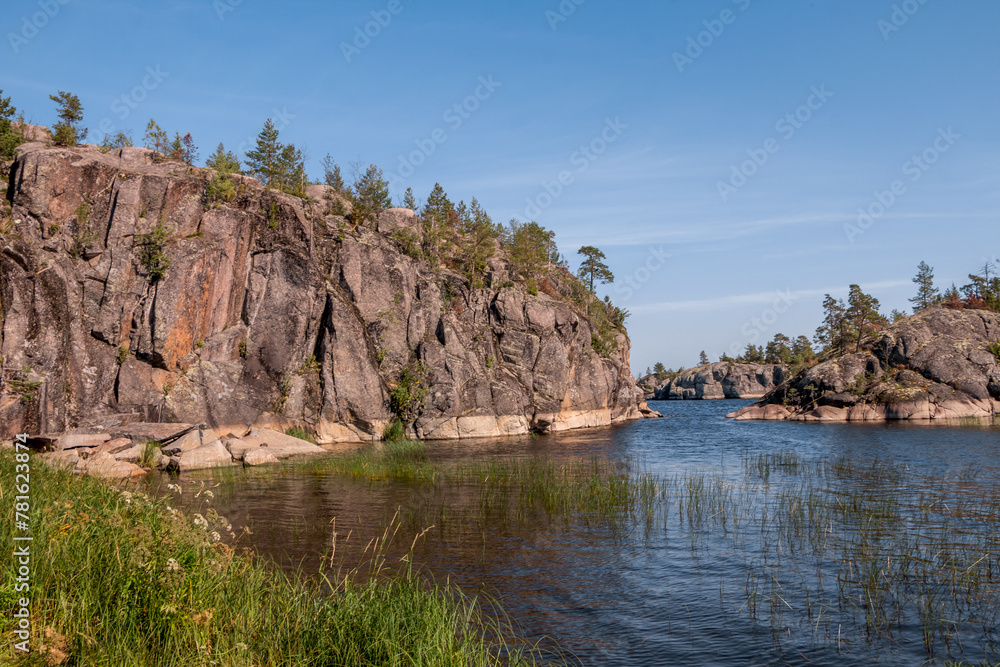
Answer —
(703, 359)
(10, 138)
(832, 333)
(477, 241)
(183, 148)
(862, 311)
(659, 370)
(264, 161)
(593, 268)
(435, 218)
(67, 131)
(291, 170)
(331, 174)
(409, 201)
(528, 246)
(778, 351)
(371, 195)
(156, 138)
(802, 351)
(224, 161)
(927, 294)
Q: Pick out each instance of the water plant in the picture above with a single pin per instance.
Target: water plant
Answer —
(126, 579)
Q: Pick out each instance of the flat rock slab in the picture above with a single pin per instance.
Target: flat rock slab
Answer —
(760, 412)
(212, 455)
(143, 431)
(258, 457)
(277, 444)
(105, 465)
(78, 440)
(114, 446)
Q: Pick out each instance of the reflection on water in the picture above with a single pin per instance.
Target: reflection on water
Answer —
(693, 586)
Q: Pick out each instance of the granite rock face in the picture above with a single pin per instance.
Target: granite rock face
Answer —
(722, 380)
(272, 307)
(935, 365)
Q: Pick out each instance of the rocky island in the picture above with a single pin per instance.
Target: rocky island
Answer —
(938, 364)
(719, 380)
(136, 288)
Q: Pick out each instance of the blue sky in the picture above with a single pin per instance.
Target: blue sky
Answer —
(643, 108)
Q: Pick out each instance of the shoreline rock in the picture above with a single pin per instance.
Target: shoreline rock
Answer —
(936, 365)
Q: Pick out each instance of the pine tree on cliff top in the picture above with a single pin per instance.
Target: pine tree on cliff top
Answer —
(862, 311)
(593, 269)
(67, 131)
(264, 161)
(927, 294)
(9, 137)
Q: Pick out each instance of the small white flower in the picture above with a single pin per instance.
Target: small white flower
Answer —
(173, 565)
(216, 536)
(127, 497)
(209, 494)
(174, 488)
(199, 520)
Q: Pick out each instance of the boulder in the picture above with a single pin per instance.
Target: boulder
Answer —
(133, 454)
(33, 132)
(277, 444)
(105, 465)
(212, 455)
(258, 457)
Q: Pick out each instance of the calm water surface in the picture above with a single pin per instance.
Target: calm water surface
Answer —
(676, 595)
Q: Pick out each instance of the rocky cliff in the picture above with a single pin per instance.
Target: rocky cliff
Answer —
(271, 310)
(721, 380)
(938, 364)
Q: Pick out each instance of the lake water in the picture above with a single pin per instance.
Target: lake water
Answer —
(691, 588)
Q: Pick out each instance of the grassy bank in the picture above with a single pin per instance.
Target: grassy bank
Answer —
(120, 579)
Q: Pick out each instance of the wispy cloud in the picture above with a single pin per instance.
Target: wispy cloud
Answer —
(756, 298)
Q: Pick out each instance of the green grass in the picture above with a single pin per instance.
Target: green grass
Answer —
(301, 434)
(396, 430)
(151, 454)
(121, 579)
